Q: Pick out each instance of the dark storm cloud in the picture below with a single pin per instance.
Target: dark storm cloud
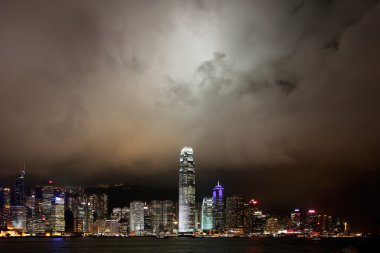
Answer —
(298, 106)
(81, 81)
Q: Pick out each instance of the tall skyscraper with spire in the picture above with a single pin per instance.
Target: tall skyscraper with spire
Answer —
(20, 187)
(218, 207)
(186, 221)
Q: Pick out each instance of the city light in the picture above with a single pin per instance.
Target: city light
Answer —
(218, 215)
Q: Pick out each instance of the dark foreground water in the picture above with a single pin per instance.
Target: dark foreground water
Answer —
(188, 245)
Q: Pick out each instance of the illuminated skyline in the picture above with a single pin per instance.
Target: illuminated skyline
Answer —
(279, 99)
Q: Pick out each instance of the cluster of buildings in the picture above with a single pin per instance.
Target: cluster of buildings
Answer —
(233, 216)
(50, 210)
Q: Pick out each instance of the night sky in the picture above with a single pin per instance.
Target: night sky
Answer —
(279, 99)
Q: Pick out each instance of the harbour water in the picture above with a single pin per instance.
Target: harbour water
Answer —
(189, 245)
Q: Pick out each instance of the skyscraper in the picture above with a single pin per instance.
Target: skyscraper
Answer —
(311, 222)
(218, 207)
(162, 215)
(137, 216)
(207, 219)
(58, 214)
(30, 213)
(47, 196)
(17, 219)
(186, 222)
(234, 212)
(147, 218)
(99, 205)
(256, 217)
(7, 197)
(6, 207)
(20, 189)
(296, 220)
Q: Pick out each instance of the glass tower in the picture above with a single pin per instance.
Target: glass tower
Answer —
(207, 219)
(137, 216)
(186, 222)
(218, 207)
(20, 189)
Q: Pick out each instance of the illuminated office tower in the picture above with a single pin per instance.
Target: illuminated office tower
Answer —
(58, 214)
(162, 216)
(330, 224)
(296, 220)
(258, 221)
(125, 213)
(346, 226)
(198, 216)
(147, 219)
(103, 205)
(99, 204)
(186, 222)
(2, 218)
(82, 215)
(111, 228)
(338, 227)
(20, 189)
(6, 207)
(207, 219)
(7, 197)
(47, 196)
(156, 216)
(323, 224)
(31, 202)
(31, 213)
(136, 216)
(247, 217)
(272, 226)
(311, 222)
(168, 215)
(116, 213)
(234, 212)
(86, 212)
(218, 207)
(17, 218)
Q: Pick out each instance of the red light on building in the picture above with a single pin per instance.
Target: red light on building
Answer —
(311, 211)
(253, 202)
(50, 181)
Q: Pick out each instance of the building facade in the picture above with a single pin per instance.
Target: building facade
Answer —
(58, 214)
(234, 212)
(136, 216)
(207, 218)
(20, 189)
(162, 216)
(218, 208)
(187, 206)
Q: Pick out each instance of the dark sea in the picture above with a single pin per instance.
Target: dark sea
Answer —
(188, 245)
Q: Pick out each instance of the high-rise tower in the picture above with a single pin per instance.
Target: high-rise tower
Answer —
(137, 216)
(218, 207)
(207, 218)
(20, 189)
(234, 212)
(186, 222)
